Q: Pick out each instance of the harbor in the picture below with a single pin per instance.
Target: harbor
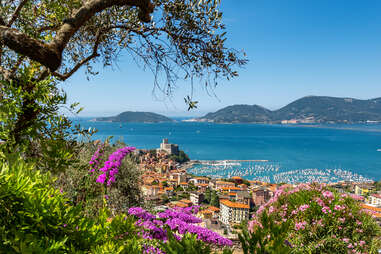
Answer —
(272, 172)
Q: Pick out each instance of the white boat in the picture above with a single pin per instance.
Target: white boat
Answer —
(379, 150)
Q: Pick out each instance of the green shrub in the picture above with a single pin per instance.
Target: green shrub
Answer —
(36, 218)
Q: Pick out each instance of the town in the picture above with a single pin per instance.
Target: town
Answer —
(224, 203)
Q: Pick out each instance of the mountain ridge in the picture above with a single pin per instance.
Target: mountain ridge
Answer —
(135, 116)
(308, 109)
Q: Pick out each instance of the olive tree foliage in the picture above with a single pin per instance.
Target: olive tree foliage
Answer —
(44, 42)
(176, 37)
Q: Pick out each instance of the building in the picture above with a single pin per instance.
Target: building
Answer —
(196, 198)
(244, 197)
(362, 189)
(237, 179)
(221, 184)
(233, 212)
(261, 196)
(200, 180)
(168, 148)
(375, 199)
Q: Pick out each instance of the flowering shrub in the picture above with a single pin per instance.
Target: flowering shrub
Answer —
(318, 220)
(80, 184)
(111, 166)
(175, 224)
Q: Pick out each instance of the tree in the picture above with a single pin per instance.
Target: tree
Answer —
(214, 199)
(207, 195)
(54, 39)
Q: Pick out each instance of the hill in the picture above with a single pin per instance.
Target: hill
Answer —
(310, 109)
(138, 117)
(241, 114)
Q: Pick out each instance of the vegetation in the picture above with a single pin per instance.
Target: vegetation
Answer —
(180, 158)
(318, 108)
(137, 117)
(312, 219)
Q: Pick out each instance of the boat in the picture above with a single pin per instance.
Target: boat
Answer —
(379, 150)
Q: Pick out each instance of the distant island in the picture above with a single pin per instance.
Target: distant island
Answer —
(310, 109)
(137, 117)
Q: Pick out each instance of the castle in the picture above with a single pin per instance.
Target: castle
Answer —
(168, 148)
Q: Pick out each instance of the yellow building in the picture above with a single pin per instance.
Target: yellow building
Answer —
(361, 190)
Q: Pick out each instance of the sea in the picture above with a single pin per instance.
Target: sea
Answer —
(267, 152)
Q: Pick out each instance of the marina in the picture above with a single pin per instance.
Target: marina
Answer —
(266, 171)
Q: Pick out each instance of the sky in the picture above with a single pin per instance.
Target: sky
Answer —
(295, 48)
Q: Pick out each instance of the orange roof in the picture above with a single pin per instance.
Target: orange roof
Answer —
(183, 183)
(233, 204)
(186, 201)
(223, 182)
(202, 184)
(236, 177)
(201, 178)
(376, 209)
(168, 188)
(230, 188)
(206, 211)
(232, 194)
(213, 208)
(180, 204)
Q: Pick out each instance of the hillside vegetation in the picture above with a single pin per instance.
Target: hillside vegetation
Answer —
(137, 117)
(320, 109)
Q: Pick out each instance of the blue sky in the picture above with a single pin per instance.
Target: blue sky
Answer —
(295, 48)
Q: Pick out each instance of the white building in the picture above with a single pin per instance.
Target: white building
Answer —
(233, 212)
(196, 198)
(375, 199)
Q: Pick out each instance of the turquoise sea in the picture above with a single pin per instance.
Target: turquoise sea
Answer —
(294, 153)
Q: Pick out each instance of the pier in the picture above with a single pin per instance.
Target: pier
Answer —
(222, 161)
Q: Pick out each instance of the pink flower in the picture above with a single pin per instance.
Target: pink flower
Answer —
(328, 194)
(320, 202)
(350, 246)
(361, 243)
(326, 210)
(300, 225)
(101, 178)
(346, 240)
(339, 207)
(302, 208)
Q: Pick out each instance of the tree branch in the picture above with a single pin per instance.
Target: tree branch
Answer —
(16, 13)
(65, 76)
(34, 49)
(50, 55)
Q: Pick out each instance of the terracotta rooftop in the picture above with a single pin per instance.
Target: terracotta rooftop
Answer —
(186, 201)
(180, 204)
(223, 182)
(206, 211)
(213, 208)
(201, 178)
(233, 204)
(236, 177)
